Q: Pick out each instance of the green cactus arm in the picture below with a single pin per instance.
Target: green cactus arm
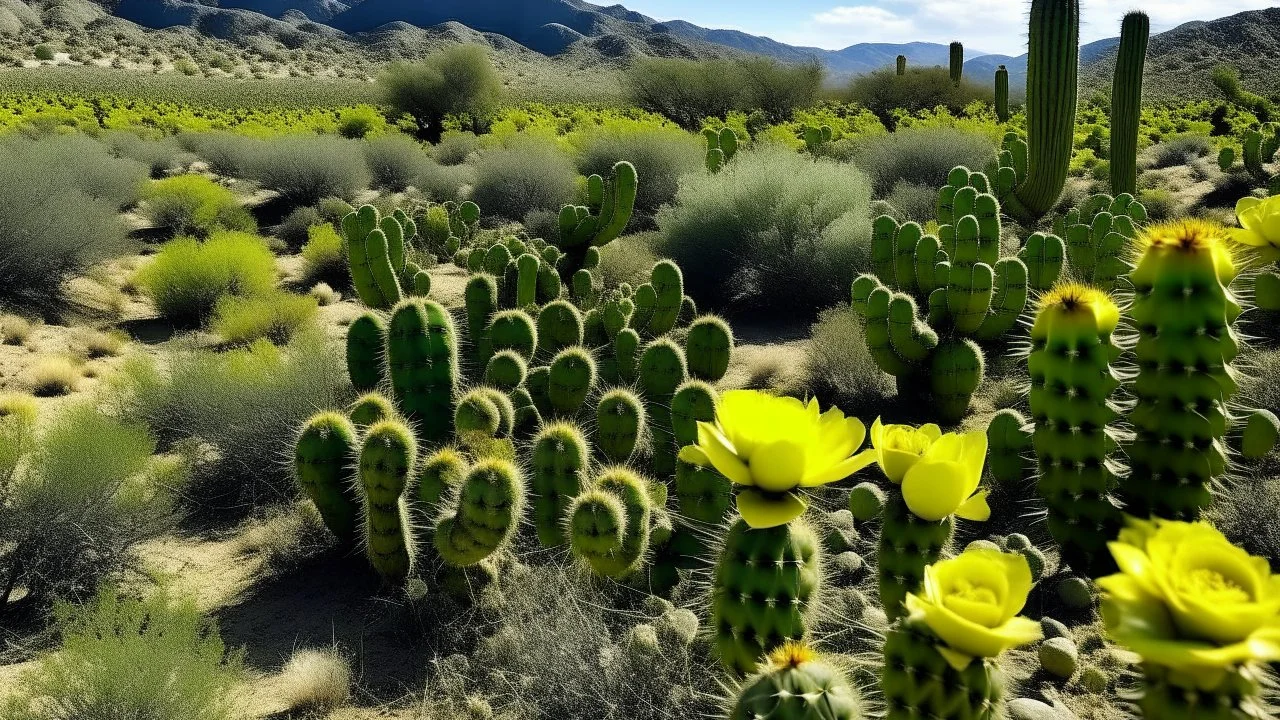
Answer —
(1009, 300)
(1126, 101)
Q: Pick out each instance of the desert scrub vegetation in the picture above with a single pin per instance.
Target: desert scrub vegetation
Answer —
(79, 497)
(324, 257)
(53, 375)
(394, 161)
(920, 156)
(530, 174)
(661, 157)
(316, 680)
(305, 168)
(884, 92)
(161, 154)
(195, 205)
(276, 316)
(454, 147)
(689, 91)
(228, 408)
(188, 277)
(773, 231)
(838, 365)
(457, 81)
(127, 658)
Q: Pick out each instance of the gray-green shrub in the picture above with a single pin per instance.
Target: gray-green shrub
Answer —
(661, 156)
(921, 156)
(838, 367)
(306, 168)
(773, 232)
(528, 175)
(455, 147)
(458, 80)
(394, 161)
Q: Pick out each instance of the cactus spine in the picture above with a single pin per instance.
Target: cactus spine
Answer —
(1126, 102)
(1184, 312)
(957, 62)
(763, 583)
(1002, 93)
(489, 504)
(322, 458)
(560, 458)
(1071, 384)
(609, 523)
(387, 458)
(422, 356)
(797, 684)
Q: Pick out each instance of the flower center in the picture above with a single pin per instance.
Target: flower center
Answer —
(1214, 586)
(908, 441)
(966, 590)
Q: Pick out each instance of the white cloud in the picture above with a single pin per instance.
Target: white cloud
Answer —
(865, 18)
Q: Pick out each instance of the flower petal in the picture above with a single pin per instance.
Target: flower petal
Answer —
(694, 455)
(975, 508)
(934, 490)
(840, 471)
(778, 466)
(721, 454)
(765, 510)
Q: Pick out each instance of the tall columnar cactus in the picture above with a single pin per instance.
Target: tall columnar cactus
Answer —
(1045, 255)
(668, 289)
(489, 506)
(376, 255)
(1002, 93)
(662, 370)
(722, 145)
(365, 348)
(387, 459)
(901, 65)
(323, 455)
(907, 545)
(1183, 311)
(1097, 237)
(761, 591)
(1126, 101)
(1072, 380)
(797, 684)
(957, 62)
(620, 424)
(561, 456)
(481, 299)
(422, 357)
(1033, 172)
(601, 220)
(1009, 444)
(609, 523)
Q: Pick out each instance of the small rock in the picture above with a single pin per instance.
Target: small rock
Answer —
(1054, 629)
(1075, 593)
(866, 502)
(1058, 656)
(1028, 709)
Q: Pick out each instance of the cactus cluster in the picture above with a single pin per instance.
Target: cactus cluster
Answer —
(446, 227)
(377, 253)
(1098, 237)
(722, 145)
(969, 292)
(1260, 146)
(599, 222)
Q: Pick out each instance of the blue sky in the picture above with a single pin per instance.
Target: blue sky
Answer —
(996, 26)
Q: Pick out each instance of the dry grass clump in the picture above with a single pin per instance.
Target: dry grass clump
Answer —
(325, 295)
(286, 535)
(101, 343)
(838, 367)
(316, 680)
(14, 330)
(54, 376)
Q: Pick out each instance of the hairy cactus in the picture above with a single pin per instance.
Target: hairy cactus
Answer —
(512, 330)
(1072, 380)
(668, 287)
(484, 411)
(386, 461)
(1033, 172)
(490, 502)
(917, 680)
(761, 590)
(440, 475)
(1045, 256)
(956, 69)
(609, 523)
(797, 684)
(506, 370)
(907, 545)
(661, 371)
(620, 424)
(708, 348)
(481, 300)
(422, 357)
(601, 221)
(365, 347)
(572, 376)
(559, 327)
(1008, 447)
(560, 460)
(694, 402)
(376, 255)
(1098, 235)
(1002, 94)
(1184, 312)
(322, 459)
(371, 408)
(1126, 102)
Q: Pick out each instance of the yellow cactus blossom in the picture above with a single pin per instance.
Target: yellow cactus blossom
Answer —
(939, 473)
(1259, 225)
(971, 603)
(1187, 599)
(775, 447)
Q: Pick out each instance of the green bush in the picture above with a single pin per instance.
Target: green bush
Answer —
(772, 232)
(838, 367)
(454, 147)
(456, 81)
(188, 277)
(324, 257)
(360, 121)
(920, 156)
(779, 89)
(50, 229)
(1180, 150)
(913, 202)
(195, 205)
(294, 230)
(685, 91)
(528, 175)
(241, 406)
(123, 659)
(78, 503)
(44, 52)
(394, 161)
(628, 259)
(274, 316)
(443, 182)
(306, 168)
(661, 156)
(884, 91)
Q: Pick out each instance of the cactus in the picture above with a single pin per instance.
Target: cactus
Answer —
(1097, 237)
(481, 299)
(626, 347)
(573, 374)
(609, 523)
(815, 137)
(797, 684)
(901, 65)
(364, 351)
(1072, 380)
(1033, 172)
(560, 460)
(371, 408)
(484, 411)
(704, 499)
(386, 460)
(440, 475)
(694, 402)
(1126, 102)
(708, 348)
(512, 330)
(559, 327)
(601, 221)
(489, 506)
(1260, 148)
(1044, 255)
(1002, 94)
(376, 256)
(668, 286)
(527, 284)
(917, 681)
(1226, 159)
(620, 424)
(506, 370)
(1008, 447)
(722, 145)
(322, 458)
(1184, 312)
(957, 62)
(422, 357)
(661, 371)
(761, 590)
(1174, 694)
(907, 545)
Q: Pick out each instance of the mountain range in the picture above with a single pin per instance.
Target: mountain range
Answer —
(587, 32)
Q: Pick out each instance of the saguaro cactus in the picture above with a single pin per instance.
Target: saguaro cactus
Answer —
(902, 65)
(957, 62)
(1126, 102)
(1002, 93)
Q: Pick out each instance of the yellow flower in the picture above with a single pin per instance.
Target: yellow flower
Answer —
(1187, 599)
(971, 602)
(939, 473)
(775, 446)
(1259, 225)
